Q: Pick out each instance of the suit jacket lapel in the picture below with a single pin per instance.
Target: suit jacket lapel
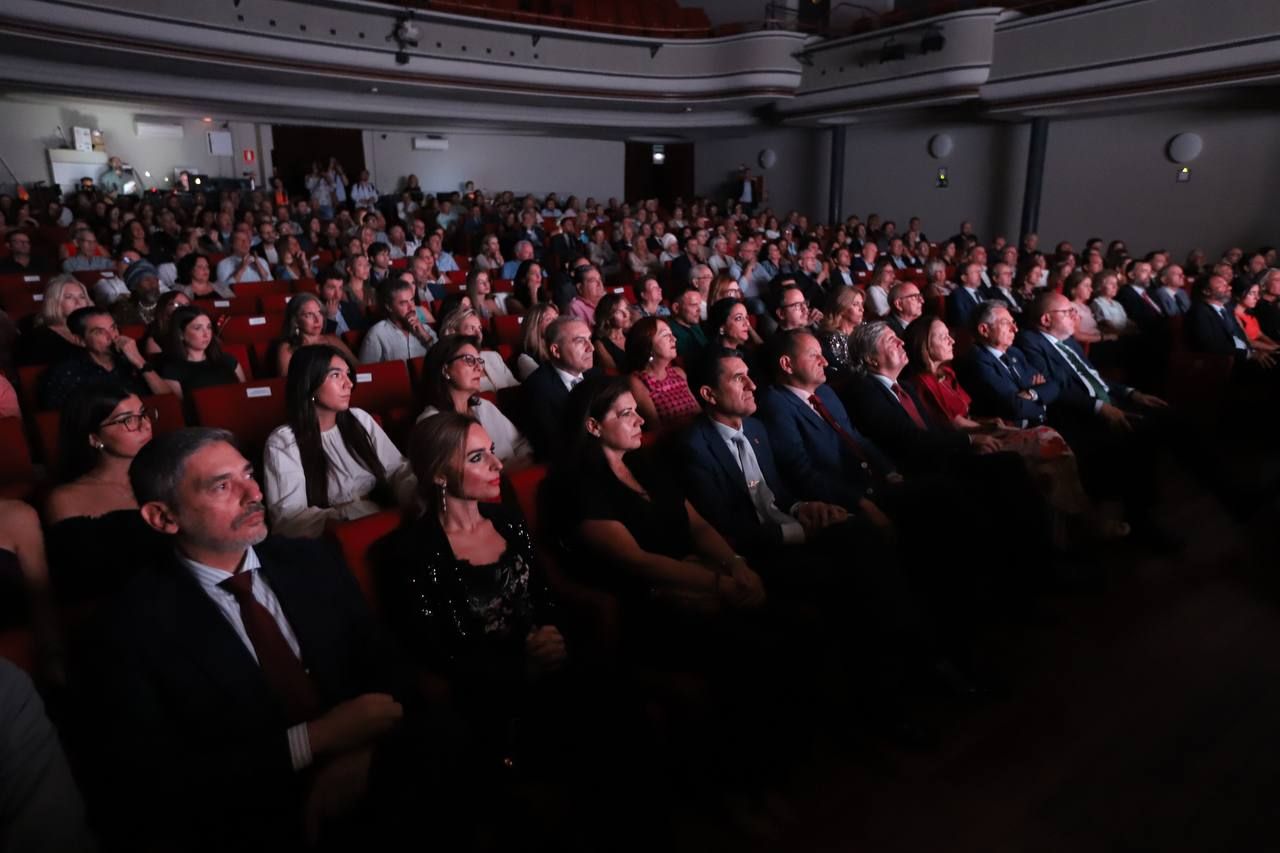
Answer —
(211, 641)
(732, 470)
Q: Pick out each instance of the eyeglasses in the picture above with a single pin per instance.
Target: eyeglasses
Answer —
(912, 296)
(132, 421)
(791, 305)
(469, 360)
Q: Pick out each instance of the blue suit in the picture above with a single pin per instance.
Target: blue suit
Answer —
(960, 306)
(1065, 393)
(817, 464)
(715, 484)
(1172, 303)
(994, 387)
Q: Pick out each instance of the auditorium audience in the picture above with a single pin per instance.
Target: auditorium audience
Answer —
(452, 376)
(96, 538)
(304, 325)
(158, 329)
(329, 462)
(613, 320)
(50, 341)
(660, 388)
(533, 344)
(192, 358)
(649, 299)
(1211, 324)
(404, 333)
(1112, 317)
(463, 321)
(1246, 299)
(195, 279)
(570, 358)
(105, 357)
(589, 285)
(1172, 295)
(483, 301)
(906, 303)
(686, 323)
(842, 313)
(729, 327)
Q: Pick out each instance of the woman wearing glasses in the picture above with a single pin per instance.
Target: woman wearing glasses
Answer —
(330, 462)
(96, 537)
(304, 325)
(451, 380)
(466, 322)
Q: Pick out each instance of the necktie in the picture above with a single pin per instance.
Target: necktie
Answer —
(907, 403)
(1085, 372)
(1146, 297)
(280, 666)
(1008, 365)
(845, 439)
(761, 495)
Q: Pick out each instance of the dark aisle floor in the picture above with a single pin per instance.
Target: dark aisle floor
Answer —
(1142, 714)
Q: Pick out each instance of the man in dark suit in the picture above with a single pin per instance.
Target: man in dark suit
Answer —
(866, 260)
(823, 456)
(996, 373)
(1211, 325)
(898, 258)
(241, 687)
(530, 230)
(965, 299)
(1138, 303)
(565, 247)
(1078, 397)
(906, 303)
(547, 388)
(682, 267)
(890, 414)
(1001, 289)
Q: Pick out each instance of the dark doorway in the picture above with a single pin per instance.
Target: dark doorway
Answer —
(295, 147)
(664, 181)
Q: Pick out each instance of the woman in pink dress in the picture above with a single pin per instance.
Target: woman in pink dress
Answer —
(661, 389)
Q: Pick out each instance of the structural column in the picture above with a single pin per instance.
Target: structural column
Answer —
(1035, 177)
(835, 198)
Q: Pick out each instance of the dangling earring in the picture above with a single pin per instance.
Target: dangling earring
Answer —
(444, 501)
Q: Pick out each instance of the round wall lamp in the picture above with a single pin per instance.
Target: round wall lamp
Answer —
(940, 146)
(1184, 147)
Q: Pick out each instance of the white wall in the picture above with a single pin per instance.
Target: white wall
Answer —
(888, 170)
(581, 167)
(27, 129)
(797, 181)
(1109, 177)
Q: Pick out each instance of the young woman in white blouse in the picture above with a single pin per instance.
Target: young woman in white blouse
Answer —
(451, 379)
(330, 462)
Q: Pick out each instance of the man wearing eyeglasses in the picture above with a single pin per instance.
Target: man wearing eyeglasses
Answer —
(906, 304)
(108, 357)
(20, 259)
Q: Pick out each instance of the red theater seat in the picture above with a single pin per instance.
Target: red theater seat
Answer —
(355, 538)
(251, 410)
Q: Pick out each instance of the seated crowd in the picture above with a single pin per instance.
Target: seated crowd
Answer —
(672, 494)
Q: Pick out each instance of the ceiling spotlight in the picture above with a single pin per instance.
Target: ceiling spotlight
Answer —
(207, 120)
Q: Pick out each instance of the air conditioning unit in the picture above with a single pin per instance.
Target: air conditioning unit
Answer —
(430, 143)
(157, 129)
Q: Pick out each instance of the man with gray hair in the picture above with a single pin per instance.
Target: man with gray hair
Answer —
(238, 664)
(906, 303)
(1172, 296)
(572, 359)
(523, 252)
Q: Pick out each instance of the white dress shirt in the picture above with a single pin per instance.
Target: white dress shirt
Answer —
(508, 443)
(210, 579)
(762, 496)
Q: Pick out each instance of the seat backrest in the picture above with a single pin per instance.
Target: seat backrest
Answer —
(19, 302)
(258, 329)
(15, 462)
(525, 484)
(251, 410)
(382, 386)
(508, 329)
(29, 384)
(355, 538)
(262, 288)
(275, 303)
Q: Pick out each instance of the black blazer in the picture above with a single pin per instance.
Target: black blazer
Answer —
(1207, 331)
(961, 305)
(994, 387)
(715, 485)
(883, 418)
(184, 715)
(1148, 319)
(545, 396)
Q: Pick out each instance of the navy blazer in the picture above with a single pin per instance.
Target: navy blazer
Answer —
(184, 711)
(995, 294)
(961, 306)
(715, 484)
(816, 464)
(1064, 391)
(545, 396)
(994, 388)
(1207, 331)
(883, 418)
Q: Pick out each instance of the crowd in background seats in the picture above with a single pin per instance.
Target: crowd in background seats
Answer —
(629, 497)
